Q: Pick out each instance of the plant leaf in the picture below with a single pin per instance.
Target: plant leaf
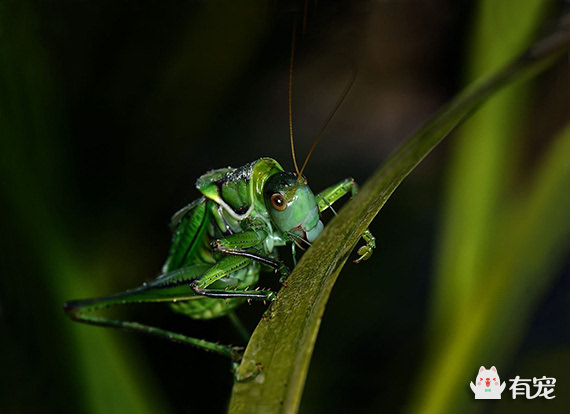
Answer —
(283, 341)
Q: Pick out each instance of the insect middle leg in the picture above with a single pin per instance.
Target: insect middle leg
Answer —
(327, 197)
(224, 268)
(241, 244)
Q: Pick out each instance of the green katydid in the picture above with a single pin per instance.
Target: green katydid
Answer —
(222, 241)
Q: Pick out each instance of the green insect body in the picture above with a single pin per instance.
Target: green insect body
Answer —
(222, 241)
(233, 205)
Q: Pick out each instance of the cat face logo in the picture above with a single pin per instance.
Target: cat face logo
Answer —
(488, 385)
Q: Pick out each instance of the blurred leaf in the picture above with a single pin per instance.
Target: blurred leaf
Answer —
(283, 342)
(482, 160)
(496, 257)
(536, 239)
(94, 369)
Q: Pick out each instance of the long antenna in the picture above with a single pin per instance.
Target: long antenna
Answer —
(339, 102)
(291, 99)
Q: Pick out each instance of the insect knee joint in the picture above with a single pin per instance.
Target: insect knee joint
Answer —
(196, 289)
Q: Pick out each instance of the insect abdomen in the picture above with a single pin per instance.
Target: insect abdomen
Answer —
(206, 308)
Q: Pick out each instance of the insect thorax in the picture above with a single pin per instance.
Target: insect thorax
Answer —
(239, 190)
(233, 203)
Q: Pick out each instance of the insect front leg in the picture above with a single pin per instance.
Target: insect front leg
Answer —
(327, 197)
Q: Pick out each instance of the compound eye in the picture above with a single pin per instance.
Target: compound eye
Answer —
(278, 202)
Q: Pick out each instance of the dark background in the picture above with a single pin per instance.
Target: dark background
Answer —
(111, 110)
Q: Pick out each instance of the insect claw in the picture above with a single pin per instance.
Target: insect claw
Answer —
(246, 288)
(257, 288)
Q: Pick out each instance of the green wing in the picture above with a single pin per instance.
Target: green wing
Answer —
(190, 226)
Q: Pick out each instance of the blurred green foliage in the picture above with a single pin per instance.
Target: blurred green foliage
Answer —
(109, 112)
(505, 227)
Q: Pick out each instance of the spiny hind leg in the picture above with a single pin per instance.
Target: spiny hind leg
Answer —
(329, 196)
(164, 289)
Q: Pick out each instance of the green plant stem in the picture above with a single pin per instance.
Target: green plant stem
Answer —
(283, 342)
